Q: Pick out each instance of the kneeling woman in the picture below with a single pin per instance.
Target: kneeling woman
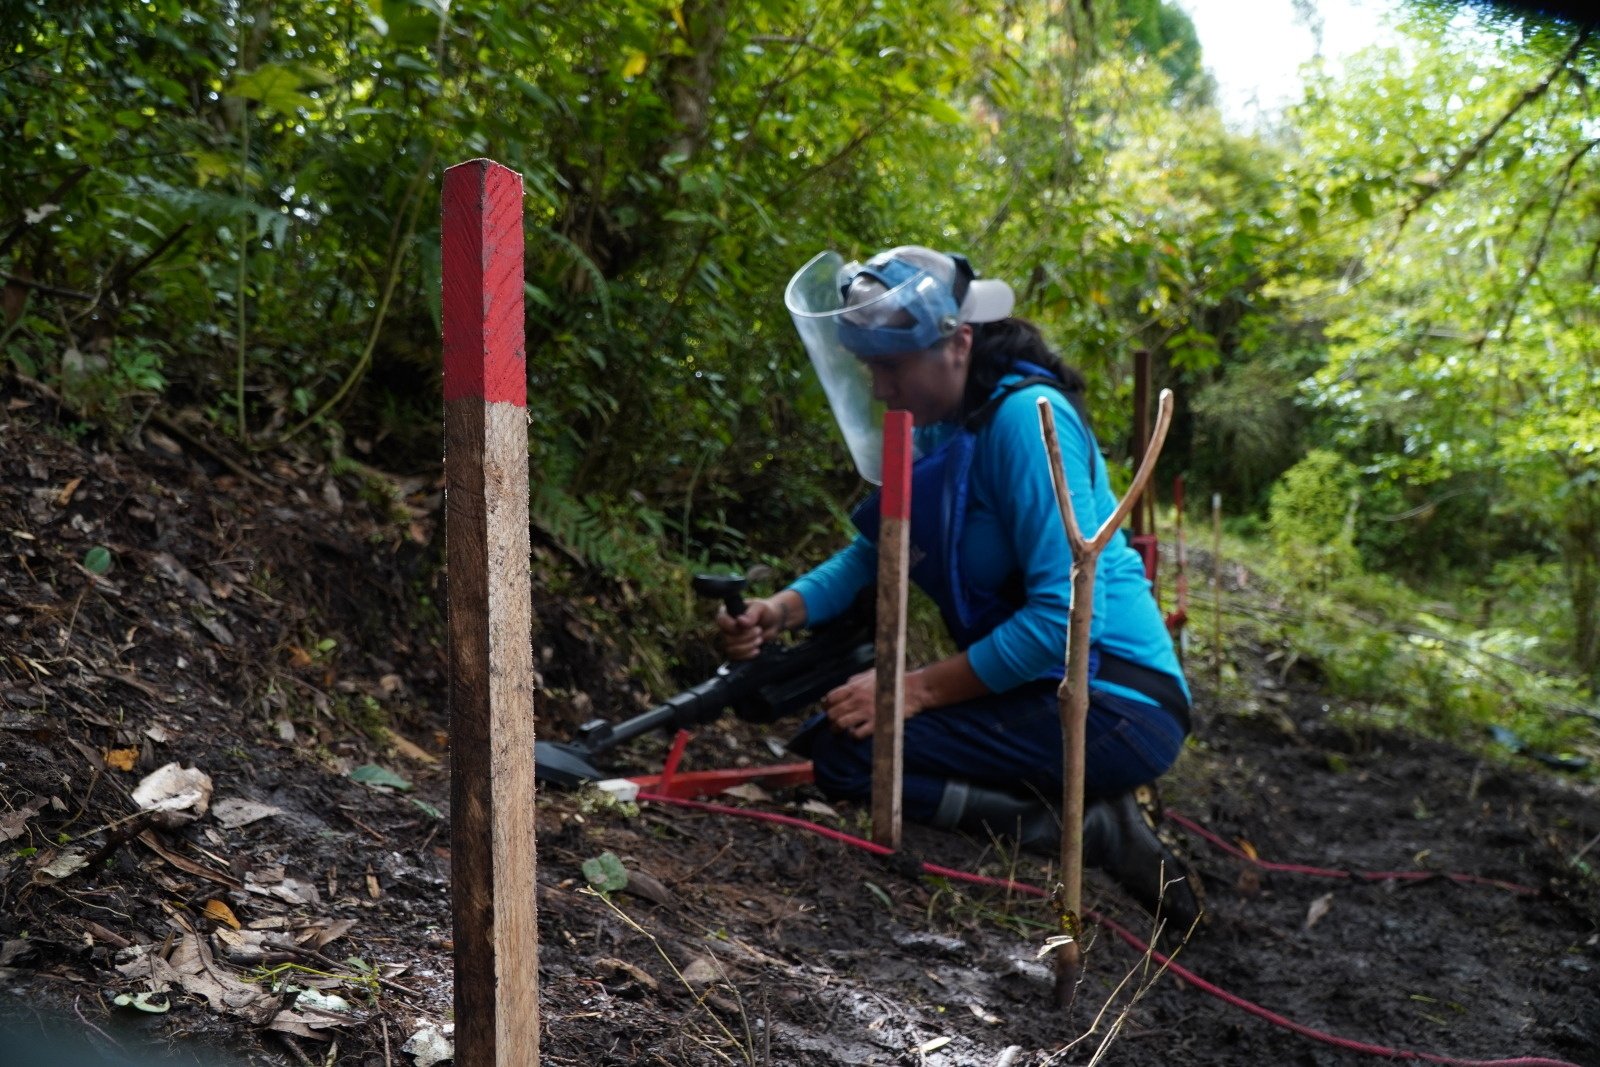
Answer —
(982, 730)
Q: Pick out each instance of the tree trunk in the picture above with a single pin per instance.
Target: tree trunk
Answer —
(1581, 558)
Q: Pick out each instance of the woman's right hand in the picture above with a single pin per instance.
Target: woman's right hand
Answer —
(743, 636)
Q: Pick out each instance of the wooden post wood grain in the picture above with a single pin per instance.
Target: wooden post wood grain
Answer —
(491, 650)
(894, 545)
(1073, 693)
(1216, 594)
(1143, 517)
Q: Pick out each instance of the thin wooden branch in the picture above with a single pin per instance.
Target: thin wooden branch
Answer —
(118, 285)
(1058, 481)
(48, 290)
(1073, 693)
(54, 196)
(1142, 477)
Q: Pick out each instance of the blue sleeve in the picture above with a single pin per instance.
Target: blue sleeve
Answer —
(1012, 473)
(832, 587)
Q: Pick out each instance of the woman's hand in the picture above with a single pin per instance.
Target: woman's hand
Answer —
(852, 708)
(762, 620)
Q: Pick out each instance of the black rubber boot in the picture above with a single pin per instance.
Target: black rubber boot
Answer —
(1028, 821)
(1119, 837)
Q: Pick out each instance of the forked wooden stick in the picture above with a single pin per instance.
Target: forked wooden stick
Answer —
(1073, 693)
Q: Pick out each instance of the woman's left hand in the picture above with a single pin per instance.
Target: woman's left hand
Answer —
(853, 707)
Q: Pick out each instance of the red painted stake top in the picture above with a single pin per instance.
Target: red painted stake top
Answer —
(896, 499)
(484, 357)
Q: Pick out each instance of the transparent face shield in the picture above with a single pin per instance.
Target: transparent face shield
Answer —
(814, 303)
(914, 312)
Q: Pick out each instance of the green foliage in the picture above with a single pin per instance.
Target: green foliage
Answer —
(624, 543)
(605, 873)
(1398, 663)
(1454, 179)
(235, 210)
(1313, 511)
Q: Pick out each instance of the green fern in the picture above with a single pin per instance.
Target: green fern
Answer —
(606, 538)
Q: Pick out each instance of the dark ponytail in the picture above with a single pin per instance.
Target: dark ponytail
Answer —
(996, 348)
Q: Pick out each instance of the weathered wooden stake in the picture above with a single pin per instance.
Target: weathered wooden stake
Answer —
(1142, 518)
(1178, 618)
(894, 539)
(491, 649)
(1216, 592)
(1073, 693)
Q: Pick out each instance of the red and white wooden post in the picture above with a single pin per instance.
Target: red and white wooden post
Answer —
(491, 650)
(894, 539)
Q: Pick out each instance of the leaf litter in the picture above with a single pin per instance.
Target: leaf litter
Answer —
(816, 967)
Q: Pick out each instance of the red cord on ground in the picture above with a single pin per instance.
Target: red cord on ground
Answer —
(1329, 872)
(1180, 972)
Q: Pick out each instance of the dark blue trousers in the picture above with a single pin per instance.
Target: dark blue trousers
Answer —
(1009, 741)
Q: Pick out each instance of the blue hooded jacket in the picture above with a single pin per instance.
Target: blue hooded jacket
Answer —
(989, 549)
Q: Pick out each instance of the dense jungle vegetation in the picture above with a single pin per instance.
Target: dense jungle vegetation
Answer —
(1380, 314)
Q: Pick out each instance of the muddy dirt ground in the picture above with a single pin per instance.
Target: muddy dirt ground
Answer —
(277, 628)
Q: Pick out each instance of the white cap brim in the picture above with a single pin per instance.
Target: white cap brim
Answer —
(987, 300)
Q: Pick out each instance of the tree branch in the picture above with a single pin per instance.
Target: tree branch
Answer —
(48, 290)
(1475, 149)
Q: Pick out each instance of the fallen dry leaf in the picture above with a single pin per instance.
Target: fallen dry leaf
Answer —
(1318, 909)
(646, 885)
(13, 823)
(429, 1046)
(627, 971)
(701, 972)
(408, 748)
(58, 865)
(275, 882)
(306, 1022)
(233, 812)
(64, 497)
(220, 912)
(176, 794)
(184, 863)
(330, 933)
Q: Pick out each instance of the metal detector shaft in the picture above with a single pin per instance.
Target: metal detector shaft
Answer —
(781, 681)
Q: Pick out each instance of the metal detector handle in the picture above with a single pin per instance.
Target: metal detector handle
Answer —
(730, 587)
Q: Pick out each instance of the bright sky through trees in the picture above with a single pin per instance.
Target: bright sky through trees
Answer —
(1255, 49)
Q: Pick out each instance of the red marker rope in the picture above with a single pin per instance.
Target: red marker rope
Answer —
(1178, 971)
(1332, 872)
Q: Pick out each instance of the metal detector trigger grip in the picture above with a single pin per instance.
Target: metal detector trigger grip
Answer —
(730, 587)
